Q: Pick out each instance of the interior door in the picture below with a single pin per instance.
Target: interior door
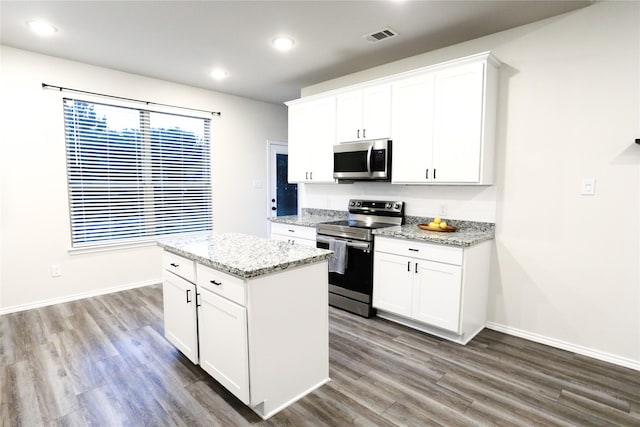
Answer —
(283, 196)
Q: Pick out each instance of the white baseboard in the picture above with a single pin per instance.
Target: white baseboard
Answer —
(584, 351)
(81, 295)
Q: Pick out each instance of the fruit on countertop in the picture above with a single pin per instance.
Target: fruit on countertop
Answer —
(443, 225)
(437, 220)
(433, 224)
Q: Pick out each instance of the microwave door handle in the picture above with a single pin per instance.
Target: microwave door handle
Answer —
(369, 153)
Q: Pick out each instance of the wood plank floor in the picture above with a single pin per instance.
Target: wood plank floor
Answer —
(104, 361)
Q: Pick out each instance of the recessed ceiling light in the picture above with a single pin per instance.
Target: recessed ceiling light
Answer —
(283, 43)
(219, 74)
(42, 28)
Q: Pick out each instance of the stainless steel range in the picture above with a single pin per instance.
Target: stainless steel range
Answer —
(351, 276)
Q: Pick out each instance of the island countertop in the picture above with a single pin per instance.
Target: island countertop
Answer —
(243, 255)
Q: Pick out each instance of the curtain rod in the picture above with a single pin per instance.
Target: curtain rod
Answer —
(60, 88)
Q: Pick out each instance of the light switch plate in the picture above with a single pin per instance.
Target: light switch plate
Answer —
(588, 187)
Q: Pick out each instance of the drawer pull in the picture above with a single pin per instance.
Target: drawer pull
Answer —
(173, 264)
(188, 300)
(414, 250)
(215, 283)
(291, 231)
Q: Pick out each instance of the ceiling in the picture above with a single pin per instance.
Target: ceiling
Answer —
(181, 41)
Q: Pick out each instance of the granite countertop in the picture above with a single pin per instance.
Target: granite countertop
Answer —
(243, 255)
(311, 217)
(468, 232)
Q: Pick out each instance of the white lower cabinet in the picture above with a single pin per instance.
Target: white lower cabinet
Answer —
(438, 289)
(252, 339)
(224, 353)
(180, 317)
(294, 234)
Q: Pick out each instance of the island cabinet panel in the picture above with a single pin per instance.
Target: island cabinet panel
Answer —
(438, 289)
(225, 285)
(264, 337)
(180, 266)
(180, 318)
(288, 327)
(223, 343)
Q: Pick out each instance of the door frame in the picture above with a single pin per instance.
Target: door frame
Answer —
(271, 144)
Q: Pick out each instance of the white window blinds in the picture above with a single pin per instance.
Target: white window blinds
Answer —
(135, 174)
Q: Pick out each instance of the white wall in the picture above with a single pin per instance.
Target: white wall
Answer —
(34, 218)
(565, 267)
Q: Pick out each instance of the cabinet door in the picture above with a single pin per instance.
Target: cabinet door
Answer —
(223, 343)
(180, 315)
(349, 116)
(392, 283)
(412, 129)
(312, 134)
(322, 133)
(298, 149)
(376, 112)
(436, 295)
(458, 123)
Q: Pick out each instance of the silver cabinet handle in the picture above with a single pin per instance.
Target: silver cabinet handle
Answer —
(426, 175)
(311, 175)
(173, 264)
(416, 267)
(215, 283)
(188, 300)
(358, 133)
(364, 133)
(434, 173)
(197, 301)
(408, 265)
(306, 175)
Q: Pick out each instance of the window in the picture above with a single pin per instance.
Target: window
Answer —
(135, 174)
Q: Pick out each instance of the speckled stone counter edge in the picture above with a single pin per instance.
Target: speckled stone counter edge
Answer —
(170, 246)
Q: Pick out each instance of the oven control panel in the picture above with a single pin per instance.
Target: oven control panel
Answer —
(377, 207)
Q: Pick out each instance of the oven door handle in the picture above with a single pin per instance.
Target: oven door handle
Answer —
(369, 153)
(365, 246)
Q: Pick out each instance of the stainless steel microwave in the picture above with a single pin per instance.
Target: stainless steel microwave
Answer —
(362, 161)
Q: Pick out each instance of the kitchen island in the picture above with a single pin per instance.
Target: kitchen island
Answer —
(252, 312)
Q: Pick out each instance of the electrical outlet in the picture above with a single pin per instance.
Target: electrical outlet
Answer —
(443, 210)
(588, 187)
(56, 270)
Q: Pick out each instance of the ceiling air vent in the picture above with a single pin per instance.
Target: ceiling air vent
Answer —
(383, 34)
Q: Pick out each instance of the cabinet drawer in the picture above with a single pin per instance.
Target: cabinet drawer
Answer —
(181, 266)
(426, 251)
(223, 284)
(299, 231)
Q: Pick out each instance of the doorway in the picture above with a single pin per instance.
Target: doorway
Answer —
(283, 197)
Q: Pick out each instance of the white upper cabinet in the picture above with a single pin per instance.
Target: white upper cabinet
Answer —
(441, 120)
(412, 126)
(457, 125)
(444, 124)
(364, 113)
(312, 133)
